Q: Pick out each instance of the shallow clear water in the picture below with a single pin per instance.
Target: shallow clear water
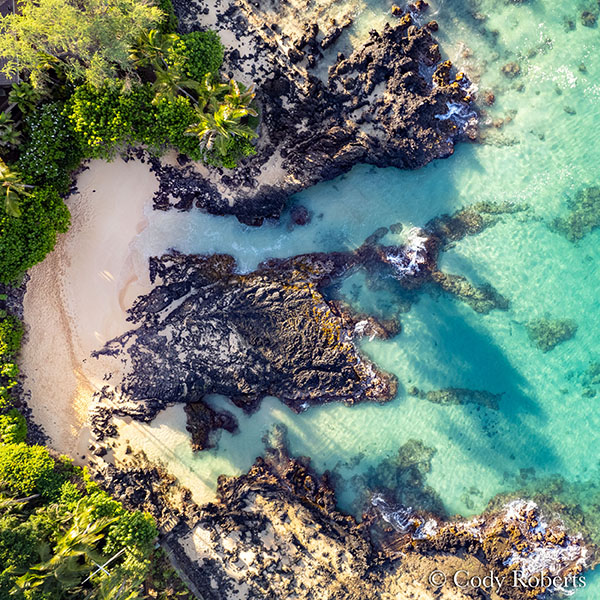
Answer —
(547, 152)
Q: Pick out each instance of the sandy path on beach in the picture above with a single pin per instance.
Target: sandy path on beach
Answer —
(77, 297)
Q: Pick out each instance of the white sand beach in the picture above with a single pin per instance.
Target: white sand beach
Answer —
(77, 297)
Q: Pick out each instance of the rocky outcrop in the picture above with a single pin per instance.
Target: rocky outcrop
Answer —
(388, 103)
(528, 553)
(206, 329)
(275, 533)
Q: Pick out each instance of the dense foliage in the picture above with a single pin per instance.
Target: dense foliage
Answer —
(106, 119)
(27, 239)
(169, 22)
(25, 470)
(51, 150)
(101, 78)
(203, 51)
(11, 332)
(13, 427)
(89, 40)
(56, 524)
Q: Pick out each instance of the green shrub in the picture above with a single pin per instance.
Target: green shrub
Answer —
(135, 530)
(107, 119)
(173, 117)
(70, 494)
(196, 54)
(25, 469)
(204, 53)
(13, 427)
(11, 332)
(51, 150)
(97, 117)
(27, 239)
(103, 504)
(170, 21)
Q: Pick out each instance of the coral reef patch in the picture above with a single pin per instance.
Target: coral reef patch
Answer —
(583, 216)
(546, 333)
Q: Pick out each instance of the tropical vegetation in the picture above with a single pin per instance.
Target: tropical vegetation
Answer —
(58, 527)
(94, 76)
(98, 76)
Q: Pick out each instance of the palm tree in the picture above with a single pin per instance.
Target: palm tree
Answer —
(117, 586)
(221, 112)
(211, 92)
(241, 97)
(153, 48)
(169, 82)
(14, 189)
(216, 129)
(74, 555)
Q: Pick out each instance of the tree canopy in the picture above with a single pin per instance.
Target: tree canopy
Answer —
(90, 39)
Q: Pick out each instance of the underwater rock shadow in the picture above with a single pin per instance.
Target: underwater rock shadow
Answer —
(477, 351)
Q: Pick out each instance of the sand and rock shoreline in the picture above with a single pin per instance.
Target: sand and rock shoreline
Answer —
(275, 531)
(390, 102)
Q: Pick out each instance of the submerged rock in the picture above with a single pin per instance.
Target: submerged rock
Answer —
(459, 396)
(546, 334)
(401, 478)
(583, 216)
(471, 220)
(481, 299)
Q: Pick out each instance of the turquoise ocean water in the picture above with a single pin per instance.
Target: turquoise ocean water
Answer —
(546, 151)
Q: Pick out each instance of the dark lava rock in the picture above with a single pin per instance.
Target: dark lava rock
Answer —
(202, 421)
(206, 329)
(380, 106)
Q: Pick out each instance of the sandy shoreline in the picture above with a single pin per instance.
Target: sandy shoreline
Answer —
(77, 297)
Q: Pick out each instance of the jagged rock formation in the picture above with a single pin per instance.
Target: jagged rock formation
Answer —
(389, 103)
(206, 329)
(529, 554)
(275, 533)
(209, 330)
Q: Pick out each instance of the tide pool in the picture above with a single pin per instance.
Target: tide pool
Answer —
(546, 150)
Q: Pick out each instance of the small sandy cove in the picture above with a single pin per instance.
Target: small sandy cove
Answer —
(77, 297)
